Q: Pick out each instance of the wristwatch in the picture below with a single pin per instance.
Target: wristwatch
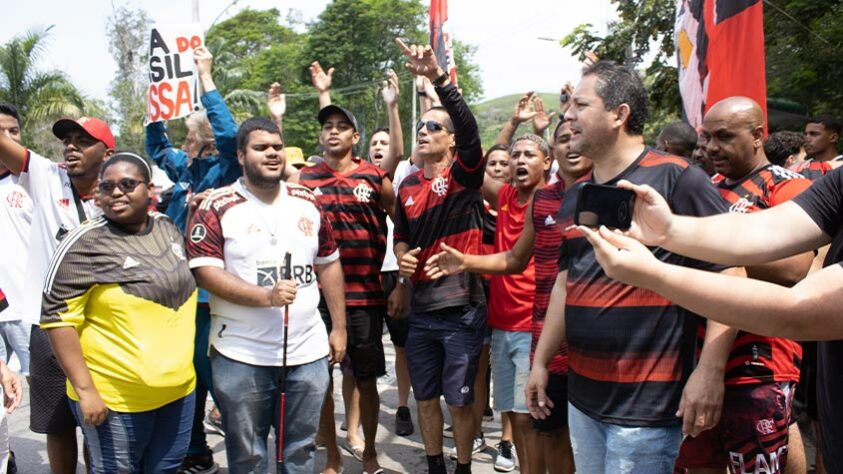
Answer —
(440, 80)
(404, 281)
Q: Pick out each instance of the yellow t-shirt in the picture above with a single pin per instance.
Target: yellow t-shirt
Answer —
(132, 299)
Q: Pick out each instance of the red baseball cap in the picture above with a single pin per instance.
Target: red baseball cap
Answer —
(94, 127)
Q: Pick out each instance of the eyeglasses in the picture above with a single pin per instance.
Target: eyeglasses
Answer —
(126, 185)
(432, 126)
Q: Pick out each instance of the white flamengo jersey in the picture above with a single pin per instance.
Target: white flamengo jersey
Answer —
(58, 209)
(237, 232)
(15, 222)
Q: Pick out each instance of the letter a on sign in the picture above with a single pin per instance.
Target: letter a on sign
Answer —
(173, 83)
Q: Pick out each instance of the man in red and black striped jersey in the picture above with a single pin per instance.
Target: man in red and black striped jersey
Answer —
(540, 240)
(630, 352)
(821, 136)
(762, 372)
(442, 203)
(356, 197)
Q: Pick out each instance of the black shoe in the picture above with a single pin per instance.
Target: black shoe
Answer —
(488, 414)
(403, 422)
(11, 466)
(202, 464)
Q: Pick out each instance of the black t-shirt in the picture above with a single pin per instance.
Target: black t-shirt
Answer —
(823, 202)
(630, 351)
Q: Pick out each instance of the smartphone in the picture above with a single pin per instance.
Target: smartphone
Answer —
(598, 204)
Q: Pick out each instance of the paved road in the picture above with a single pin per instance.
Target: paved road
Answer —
(396, 454)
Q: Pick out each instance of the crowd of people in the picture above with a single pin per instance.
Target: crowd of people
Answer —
(687, 343)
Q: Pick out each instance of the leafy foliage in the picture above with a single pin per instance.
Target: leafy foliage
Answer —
(40, 96)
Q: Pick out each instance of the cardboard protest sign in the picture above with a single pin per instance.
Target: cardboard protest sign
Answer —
(173, 82)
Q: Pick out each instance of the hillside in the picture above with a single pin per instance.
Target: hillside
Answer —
(492, 114)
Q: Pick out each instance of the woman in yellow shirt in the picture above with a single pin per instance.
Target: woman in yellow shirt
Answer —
(119, 306)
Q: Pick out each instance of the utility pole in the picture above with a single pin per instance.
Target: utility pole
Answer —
(195, 10)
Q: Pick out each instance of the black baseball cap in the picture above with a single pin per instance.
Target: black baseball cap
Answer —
(329, 110)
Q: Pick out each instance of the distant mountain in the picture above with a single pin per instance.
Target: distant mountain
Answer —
(493, 114)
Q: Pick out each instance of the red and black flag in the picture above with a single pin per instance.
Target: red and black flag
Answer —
(440, 38)
(4, 303)
(720, 52)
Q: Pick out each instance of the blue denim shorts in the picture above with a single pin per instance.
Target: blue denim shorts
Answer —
(510, 369)
(443, 351)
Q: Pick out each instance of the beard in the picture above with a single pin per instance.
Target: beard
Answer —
(261, 178)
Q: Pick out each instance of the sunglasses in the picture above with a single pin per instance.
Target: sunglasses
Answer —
(432, 126)
(126, 185)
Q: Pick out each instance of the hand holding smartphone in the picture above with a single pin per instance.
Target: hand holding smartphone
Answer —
(602, 205)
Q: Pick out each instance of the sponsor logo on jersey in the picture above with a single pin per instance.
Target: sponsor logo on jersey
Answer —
(221, 202)
(317, 192)
(409, 202)
(302, 193)
(198, 233)
(65, 203)
(178, 250)
(549, 220)
(130, 263)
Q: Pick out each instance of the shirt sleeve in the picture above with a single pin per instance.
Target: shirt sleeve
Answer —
(695, 195)
(788, 189)
(35, 175)
(159, 148)
(205, 241)
(468, 167)
(823, 202)
(70, 281)
(401, 231)
(328, 249)
(225, 136)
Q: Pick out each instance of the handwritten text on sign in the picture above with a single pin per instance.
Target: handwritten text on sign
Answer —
(173, 87)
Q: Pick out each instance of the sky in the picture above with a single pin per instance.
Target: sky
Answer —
(510, 54)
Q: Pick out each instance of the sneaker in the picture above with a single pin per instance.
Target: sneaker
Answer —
(213, 424)
(504, 461)
(11, 466)
(478, 446)
(403, 422)
(488, 414)
(448, 432)
(203, 464)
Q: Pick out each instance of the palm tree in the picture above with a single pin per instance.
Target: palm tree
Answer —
(38, 95)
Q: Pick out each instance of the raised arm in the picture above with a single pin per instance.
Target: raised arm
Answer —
(276, 103)
(520, 114)
(395, 152)
(322, 82)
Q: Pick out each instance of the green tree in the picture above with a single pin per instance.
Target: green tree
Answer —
(40, 96)
(644, 29)
(127, 30)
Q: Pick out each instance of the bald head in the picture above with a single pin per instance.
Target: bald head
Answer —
(737, 110)
(733, 131)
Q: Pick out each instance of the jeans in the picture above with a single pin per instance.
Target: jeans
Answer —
(15, 336)
(198, 439)
(153, 441)
(605, 448)
(248, 398)
(511, 369)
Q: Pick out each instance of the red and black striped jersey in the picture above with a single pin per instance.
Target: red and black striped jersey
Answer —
(548, 238)
(430, 212)
(630, 350)
(762, 359)
(352, 203)
(812, 169)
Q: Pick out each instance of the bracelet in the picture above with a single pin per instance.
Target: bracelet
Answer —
(440, 80)
(421, 93)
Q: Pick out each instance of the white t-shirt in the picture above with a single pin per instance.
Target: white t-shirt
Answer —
(15, 221)
(57, 210)
(234, 230)
(390, 263)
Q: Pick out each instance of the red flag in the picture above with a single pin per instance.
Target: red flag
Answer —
(440, 38)
(720, 51)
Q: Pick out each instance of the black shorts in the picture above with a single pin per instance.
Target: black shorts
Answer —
(49, 408)
(443, 351)
(364, 326)
(398, 327)
(557, 392)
